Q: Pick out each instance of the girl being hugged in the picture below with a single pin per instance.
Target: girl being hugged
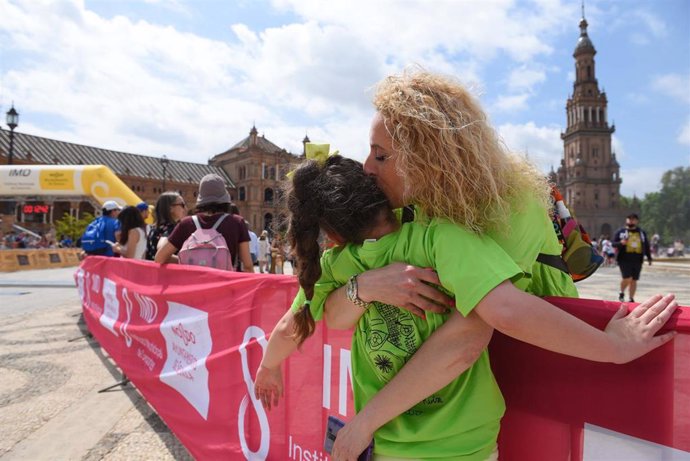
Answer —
(461, 421)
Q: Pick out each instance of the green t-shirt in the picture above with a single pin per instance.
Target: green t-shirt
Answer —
(462, 420)
(531, 232)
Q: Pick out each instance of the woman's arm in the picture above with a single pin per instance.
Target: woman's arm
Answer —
(397, 284)
(535, 321)
(246, 257)
(524, 316)
(268, 386)
(450, 350)
(165, 254)
(132, 240)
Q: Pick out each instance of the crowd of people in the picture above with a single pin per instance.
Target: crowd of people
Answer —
(123, 231)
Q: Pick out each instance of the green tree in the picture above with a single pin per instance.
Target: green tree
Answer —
(667, 212)
(71, 226)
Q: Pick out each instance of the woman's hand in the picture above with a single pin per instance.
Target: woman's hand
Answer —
(404, 286)
(351, 440)
(634, 333)
(268, 386)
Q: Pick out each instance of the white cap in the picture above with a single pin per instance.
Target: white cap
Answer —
(111, 205)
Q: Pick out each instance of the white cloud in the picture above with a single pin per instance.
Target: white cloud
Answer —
(641, 181)
(656, 27)
(149, 88)
(511, 103)
(617, 147)
(525, 78)
(542, 144)
(674, 85)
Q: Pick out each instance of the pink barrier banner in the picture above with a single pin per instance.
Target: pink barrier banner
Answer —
(190, 339)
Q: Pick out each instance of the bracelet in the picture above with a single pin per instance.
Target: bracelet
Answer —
(352, 293)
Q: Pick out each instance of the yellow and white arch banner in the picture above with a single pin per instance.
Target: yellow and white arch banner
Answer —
(96, 181)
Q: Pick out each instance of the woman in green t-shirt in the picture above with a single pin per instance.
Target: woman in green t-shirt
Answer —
(432, 146)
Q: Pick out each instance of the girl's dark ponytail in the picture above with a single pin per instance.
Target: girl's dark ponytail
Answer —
(303, 237)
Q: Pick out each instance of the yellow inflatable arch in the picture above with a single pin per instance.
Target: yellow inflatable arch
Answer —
(96, 181)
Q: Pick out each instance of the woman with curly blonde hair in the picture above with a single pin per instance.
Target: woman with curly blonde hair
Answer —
(432, 146)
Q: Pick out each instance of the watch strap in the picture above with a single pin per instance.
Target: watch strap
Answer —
(352, 292)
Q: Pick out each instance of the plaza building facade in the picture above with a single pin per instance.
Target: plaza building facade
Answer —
(589, 173)
(258, 168)
(146, 176)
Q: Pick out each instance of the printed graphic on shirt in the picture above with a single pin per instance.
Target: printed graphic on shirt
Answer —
(634, 244)
(390, 337)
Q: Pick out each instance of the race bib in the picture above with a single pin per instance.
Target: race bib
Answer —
(634, 244)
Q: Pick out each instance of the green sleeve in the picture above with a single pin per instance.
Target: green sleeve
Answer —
(469, 265)
(322, 289)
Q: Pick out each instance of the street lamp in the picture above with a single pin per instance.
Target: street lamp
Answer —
(12, 122)
(164, 161)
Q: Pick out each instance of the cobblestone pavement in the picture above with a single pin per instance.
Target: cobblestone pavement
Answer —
(50, 408)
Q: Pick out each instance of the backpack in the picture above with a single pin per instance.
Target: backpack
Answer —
(206, 247)
(579, 258)
(94, 236)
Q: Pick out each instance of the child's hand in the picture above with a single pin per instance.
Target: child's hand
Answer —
(268, 386)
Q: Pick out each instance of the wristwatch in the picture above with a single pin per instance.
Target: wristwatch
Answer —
(352, 293)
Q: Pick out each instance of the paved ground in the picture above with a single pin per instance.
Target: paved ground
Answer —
(49, 405)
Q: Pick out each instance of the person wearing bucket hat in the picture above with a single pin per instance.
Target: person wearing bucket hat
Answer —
(212, 205)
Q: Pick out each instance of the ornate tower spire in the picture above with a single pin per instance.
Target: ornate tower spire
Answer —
(589, 173)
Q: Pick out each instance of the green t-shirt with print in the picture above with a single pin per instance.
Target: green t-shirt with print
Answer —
(462, 420)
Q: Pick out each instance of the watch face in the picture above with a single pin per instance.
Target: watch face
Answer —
(350, 291)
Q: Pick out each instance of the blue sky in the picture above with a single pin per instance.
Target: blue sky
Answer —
(189, 78)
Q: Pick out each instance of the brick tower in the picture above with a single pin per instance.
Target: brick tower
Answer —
(588, 176)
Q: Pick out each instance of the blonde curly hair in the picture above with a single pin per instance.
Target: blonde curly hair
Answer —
(454, 164)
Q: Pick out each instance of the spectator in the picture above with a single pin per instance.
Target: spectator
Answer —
(66, 242)
(607, 252)
(277, 254)
(253, 245)
(144, 210)
(132, 241)
(213, 201)
(111, 231)
(170, 209)
(264, 251)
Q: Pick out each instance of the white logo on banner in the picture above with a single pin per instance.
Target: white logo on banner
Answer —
(188, 343)
(111, 308)
(125, 324)
(80, 284)
(148, 309)
(96, 283)
(260, 455)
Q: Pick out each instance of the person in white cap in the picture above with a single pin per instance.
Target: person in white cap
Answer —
(102, 231)
(212, 204)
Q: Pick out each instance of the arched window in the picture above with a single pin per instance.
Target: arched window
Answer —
(589, 72)
(268, 194)
(242, 194)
